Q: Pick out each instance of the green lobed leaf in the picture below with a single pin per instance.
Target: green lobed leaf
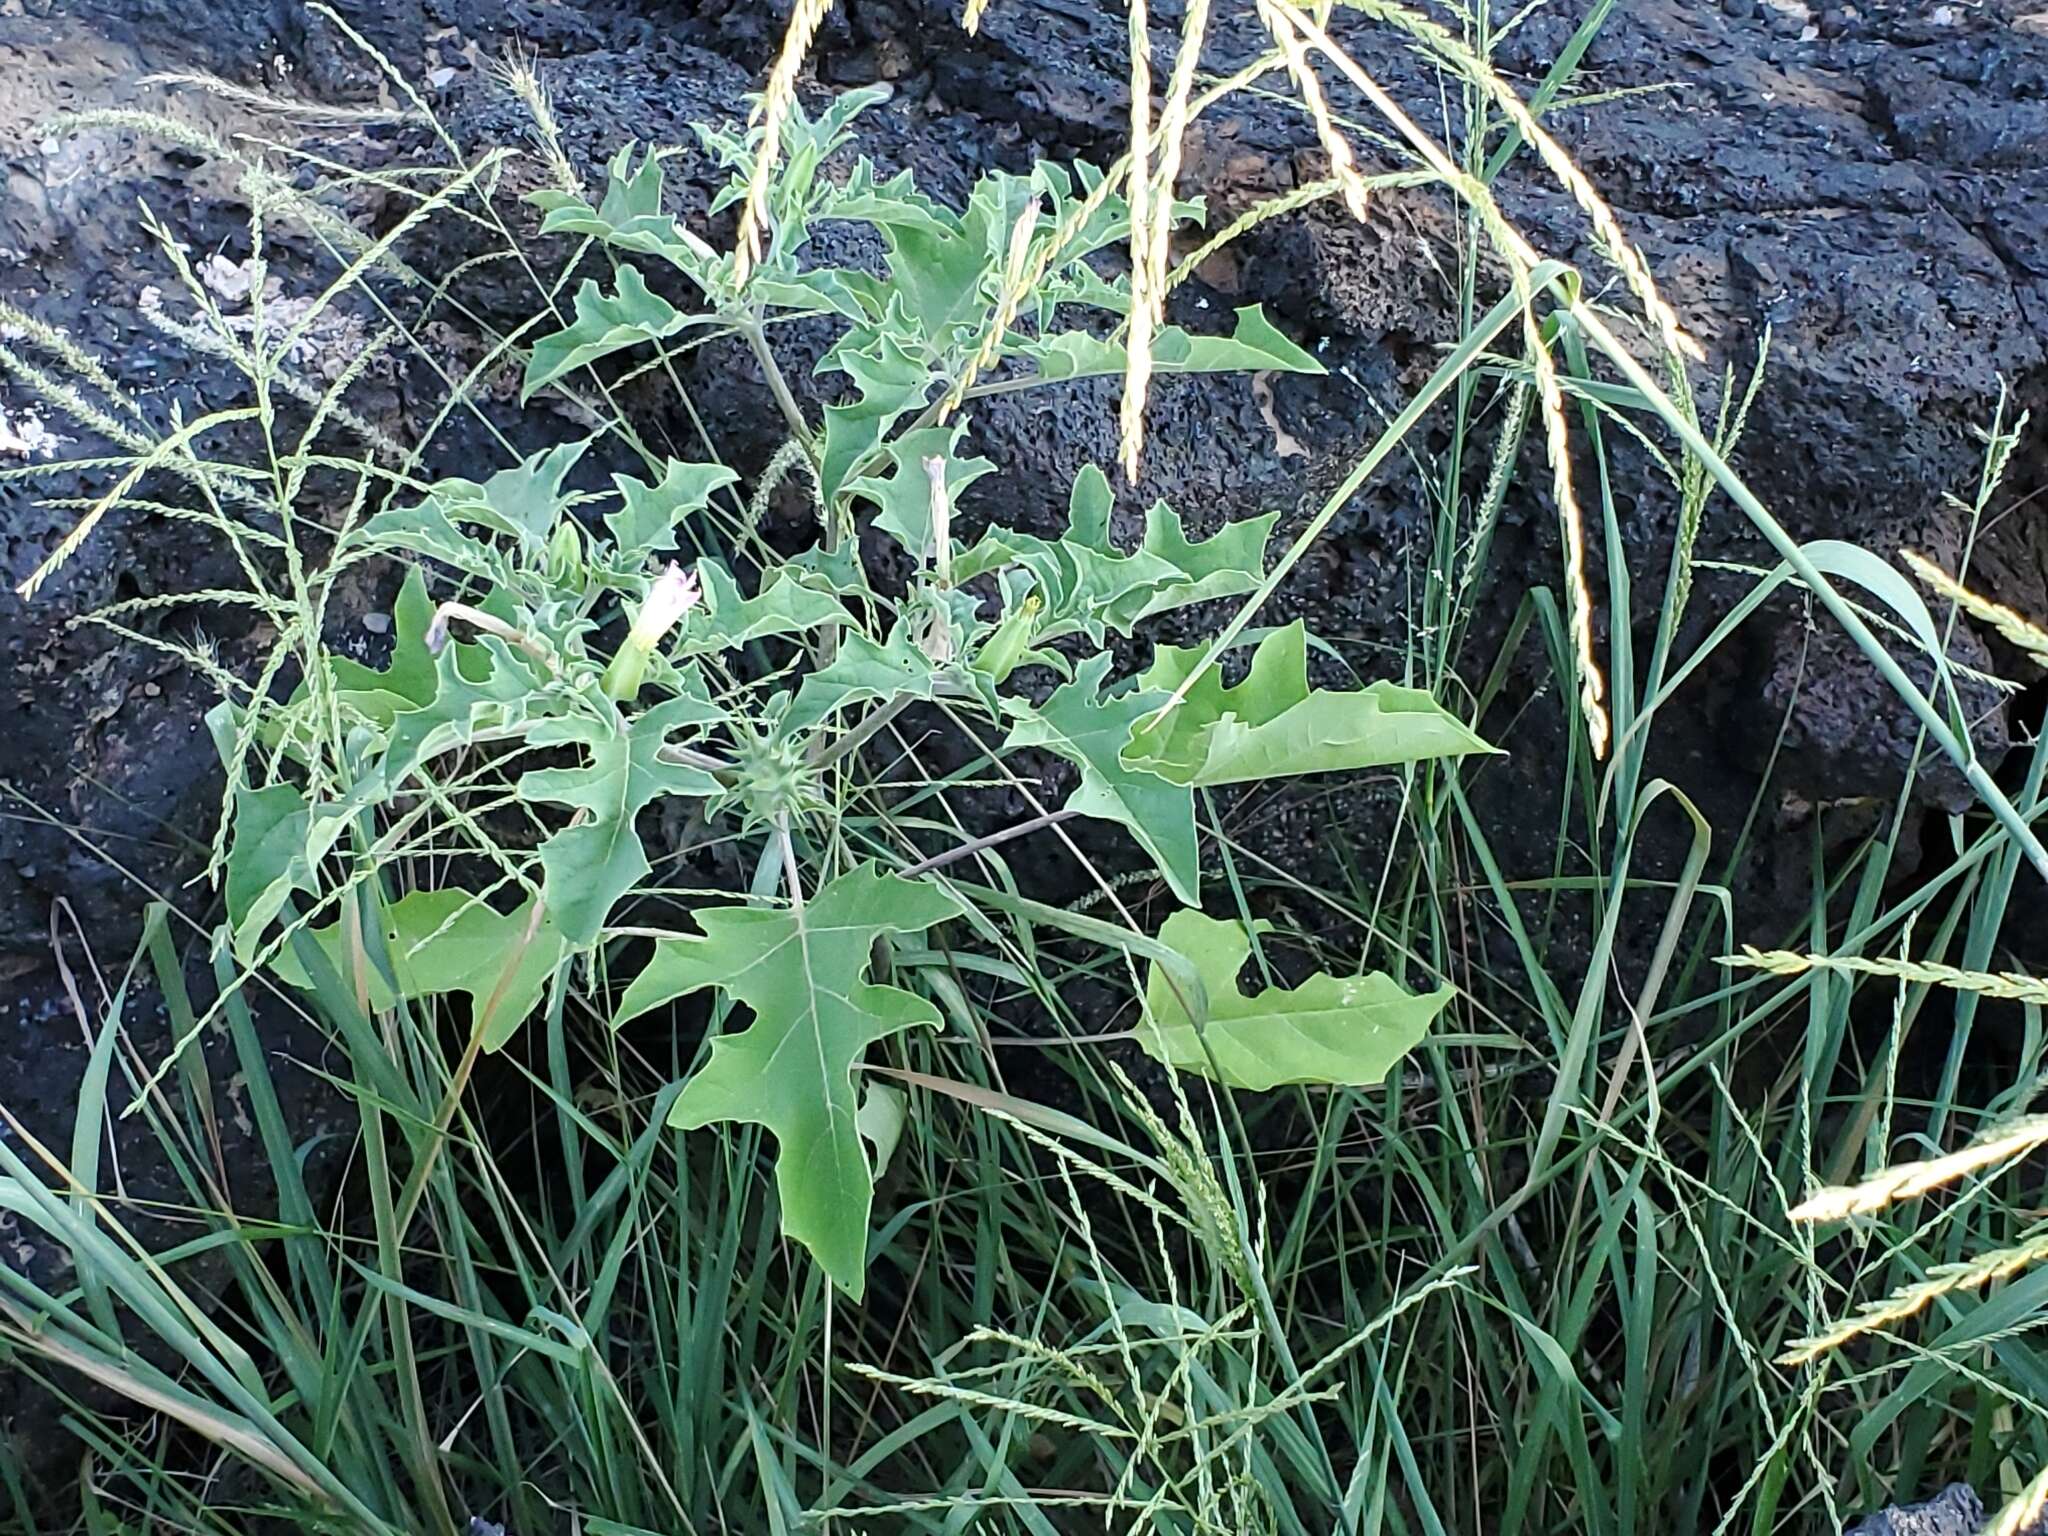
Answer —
(890, 381)
(834, 125)
(1336, 1030)
(595, 860)
(1271, 724)
(892, 204)
(1089, 586)
(785, 605)
(795, 193)
(1093, 583)
(938, 265)
(1252, 346)
(523, 501)
(1229, 563)
(836, 570)
(602, 326)
(424, 530)
(1070, 187)
(473, 689)
(268, 859)
(948, 263)
(648, 514)
(406, 681)
(476, 687)
(1082, 578)
(1166, 571)
(804, 973)
(630, 217)
(855, 296)
(450, 941)
(1091, 732)
(865, 670)
(904, 492)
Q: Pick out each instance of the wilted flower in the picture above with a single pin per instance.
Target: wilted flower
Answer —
(942, 519)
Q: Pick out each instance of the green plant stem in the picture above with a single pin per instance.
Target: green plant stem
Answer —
(778, 386)
(690, 757)
(990, 840)
(872, 724)
(511, 634)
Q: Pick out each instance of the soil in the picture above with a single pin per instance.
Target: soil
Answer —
(1867, 184)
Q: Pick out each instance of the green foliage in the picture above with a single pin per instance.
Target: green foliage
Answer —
(1543, 1281)
(786, 605)
(1087, 586)
(1091, 731)
(1251, 346)
(630, 217)
(477, 689)
(598, 857)
(267, 860)
(522, 502)
(745, 680)
(650, 512)
(902, 497)
(439, 942)
(611, 692)
(409, 680)
(890, 380)
(803, 971)
(909, 335)
(1330, 1029)
(603, 325)
(1272, 724)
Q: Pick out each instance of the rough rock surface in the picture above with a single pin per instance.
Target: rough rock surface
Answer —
(1870, 184)
(1955, 1511)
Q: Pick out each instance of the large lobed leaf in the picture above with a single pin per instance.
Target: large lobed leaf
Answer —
(785, 605)
(630, 216)
(803, 972)
(1336, 1030)
(476, 688)
(889, 380)
(633, 313)
(523, 502)
(649, 514)
(903, 495)
(595, 860)
(864, 670)
(443, 942)
(1091, 732)
(1272, 724)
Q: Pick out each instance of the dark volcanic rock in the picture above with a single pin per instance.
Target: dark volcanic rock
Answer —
(1955, 1511)
(1871, 198)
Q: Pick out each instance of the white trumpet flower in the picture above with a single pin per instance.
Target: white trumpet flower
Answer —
(674, 593)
